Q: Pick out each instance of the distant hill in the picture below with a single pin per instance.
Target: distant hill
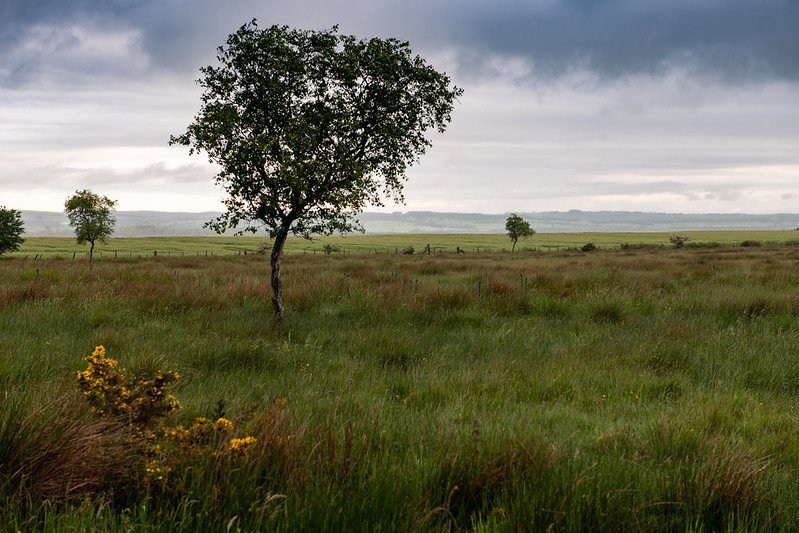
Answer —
(129, 224)
(159, 223)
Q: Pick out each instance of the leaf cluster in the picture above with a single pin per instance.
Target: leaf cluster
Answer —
(518, 228)
(11, 230)
(308, 127)
(91, 216)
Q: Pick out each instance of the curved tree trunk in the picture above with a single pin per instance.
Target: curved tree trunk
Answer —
(513, 248)
(91, 255)
(277, 281)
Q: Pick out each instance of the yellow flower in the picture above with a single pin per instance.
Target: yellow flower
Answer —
(224, 425)
(241, 445)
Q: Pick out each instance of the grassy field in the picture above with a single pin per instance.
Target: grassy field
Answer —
(616, 390)
(187, 246)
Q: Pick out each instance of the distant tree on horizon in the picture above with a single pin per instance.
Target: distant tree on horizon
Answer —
(517, 228)
(91, 216)
(11, 230)
(309, 127)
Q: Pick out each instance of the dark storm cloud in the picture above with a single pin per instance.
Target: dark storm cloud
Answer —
(619, 104)
(734, 39)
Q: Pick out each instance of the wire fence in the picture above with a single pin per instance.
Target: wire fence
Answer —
(386, 250)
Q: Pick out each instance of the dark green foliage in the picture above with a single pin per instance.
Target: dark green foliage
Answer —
(588, 247)
(517, 228)
(678, 241)
(91, 216)
(11, 230)
(309, 127)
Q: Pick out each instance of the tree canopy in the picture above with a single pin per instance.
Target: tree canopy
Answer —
(11, 230)
(91, 216)
(309, 127)
(517, 228)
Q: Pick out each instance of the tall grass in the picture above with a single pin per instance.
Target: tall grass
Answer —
(626, 390)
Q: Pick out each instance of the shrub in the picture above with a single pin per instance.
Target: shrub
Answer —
(168, 451)
(109, 393)
(748, 243)
(408, 250)
(330, 248)
(678, 241)
(588, 247)
(11, 230)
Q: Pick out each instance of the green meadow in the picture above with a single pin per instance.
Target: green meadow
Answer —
(186, 246)
(645, 389)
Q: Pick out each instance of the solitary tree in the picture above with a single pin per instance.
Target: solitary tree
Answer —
(517, 228)
(308, 127)
(11, 230)
(92, 218)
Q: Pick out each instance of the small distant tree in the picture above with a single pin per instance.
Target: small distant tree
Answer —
(309, 127)
(11, 230)
(678, 241)
(92, 218)
(517, 228)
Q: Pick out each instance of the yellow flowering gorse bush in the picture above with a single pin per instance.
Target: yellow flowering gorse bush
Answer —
(110, 394)
(144, 404)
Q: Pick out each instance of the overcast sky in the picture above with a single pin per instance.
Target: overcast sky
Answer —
(651, 105)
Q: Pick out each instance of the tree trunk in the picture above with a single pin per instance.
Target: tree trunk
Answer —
(277, 281)
(91, 255)
(513, 248)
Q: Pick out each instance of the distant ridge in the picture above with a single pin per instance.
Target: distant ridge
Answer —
(160, 223)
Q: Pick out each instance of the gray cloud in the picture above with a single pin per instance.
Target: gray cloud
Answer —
(741, 39)
(55, 175)
(733, 39)
(649, 104)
